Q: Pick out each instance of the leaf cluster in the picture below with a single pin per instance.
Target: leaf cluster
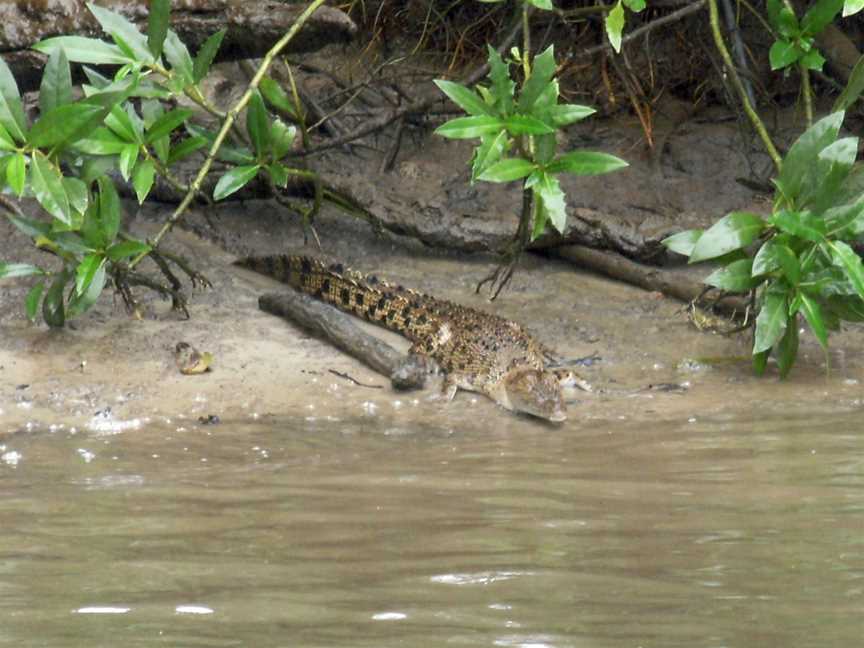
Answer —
(796, 40)
(800, 260)
(129, 123)
(517, 126)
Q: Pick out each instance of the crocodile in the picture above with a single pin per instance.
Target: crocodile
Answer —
(477, 351)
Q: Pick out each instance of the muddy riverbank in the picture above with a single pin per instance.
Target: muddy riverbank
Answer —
(107, 371)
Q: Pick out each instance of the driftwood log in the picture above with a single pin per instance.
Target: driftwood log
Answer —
(672, 282)
(404, 372)
(252, 27)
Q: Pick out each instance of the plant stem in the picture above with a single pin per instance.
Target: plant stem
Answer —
(739, 86)
(230, 118)
(808, 94)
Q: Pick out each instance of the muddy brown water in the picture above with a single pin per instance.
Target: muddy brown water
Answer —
(714, 531)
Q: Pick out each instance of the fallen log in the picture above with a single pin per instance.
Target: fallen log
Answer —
(337, 328)
(672, 282)
(252, 27)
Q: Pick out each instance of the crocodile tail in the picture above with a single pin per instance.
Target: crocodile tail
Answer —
(352, 292)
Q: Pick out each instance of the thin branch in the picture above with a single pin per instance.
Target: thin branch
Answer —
(644, 29)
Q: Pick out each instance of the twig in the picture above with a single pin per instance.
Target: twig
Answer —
(353, 380)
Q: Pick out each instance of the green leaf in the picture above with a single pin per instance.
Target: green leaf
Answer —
(81, 302)
(11, 110)
(16, 173)
(786, 350)
(833, 165)
(84, 50)
(813, 60)
(70, 242)
(277, 97)
(542, 70)
(128, 158)
(204, 57)
(586, 163)
(166, 123)
(279, 174)
(845, 258)
(178, 56)
(157, 26)
(787, 24)
(47, 184)
(491, 148)
(548, 190)
(86, 270)
(734, 277)
(820, 15)
(766, 259)
(683, 242)
(470, 127)
(77, 193)
(760, 361)
(771, 322)
(734, 231)
(234, 179)
(502, 85)
(465, 98)
(151, 111)
(142, 179)
(815, 318)
(783, 53)
(63, 123)
(508, 170)
(801, 224)
(772, 256)
(31, 302)
(100, 141)
(121, 122)
(109, 208)
(802, 155)
(56, 87)
(281, 138)
(52, 306)
(125, 33)
(257, 124)
(855, 84)
(91, 227)
(8, 270)
(615, 26)
(28, 226)
(185, 148)
(851, 7)
(542, 4)
(127, 249)
(565, 114)
(526, 125)
(6, 141)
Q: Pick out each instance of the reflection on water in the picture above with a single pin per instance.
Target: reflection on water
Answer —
(369, 533)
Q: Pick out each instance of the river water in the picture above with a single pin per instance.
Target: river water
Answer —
(690, 532)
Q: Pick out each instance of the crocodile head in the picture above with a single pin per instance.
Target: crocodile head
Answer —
(537, 393)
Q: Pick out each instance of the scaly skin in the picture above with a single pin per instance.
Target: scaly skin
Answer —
(477, 351)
